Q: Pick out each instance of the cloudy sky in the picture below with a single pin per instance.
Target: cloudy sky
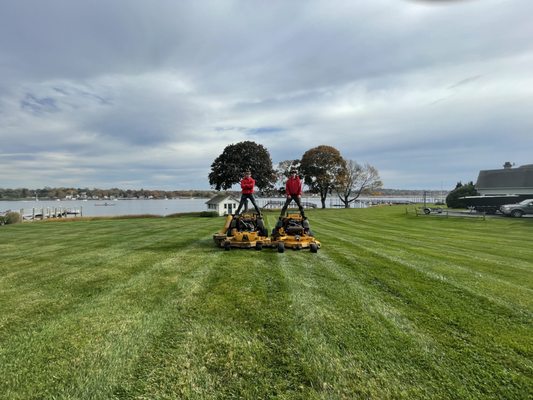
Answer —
(146, 94)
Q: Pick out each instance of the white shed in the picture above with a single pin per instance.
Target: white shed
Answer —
(223, 204)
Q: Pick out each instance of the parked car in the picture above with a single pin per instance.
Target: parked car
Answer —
(519, 209)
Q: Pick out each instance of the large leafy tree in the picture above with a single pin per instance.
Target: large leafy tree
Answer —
(453, 200)
(358, 180)
(228, 168)
(322, 168)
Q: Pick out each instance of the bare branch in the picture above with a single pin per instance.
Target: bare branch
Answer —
(359, 180)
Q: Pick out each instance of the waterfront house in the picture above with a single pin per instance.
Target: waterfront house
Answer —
(223, 204)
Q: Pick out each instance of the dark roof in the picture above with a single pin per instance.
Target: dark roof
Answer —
(220, 197)
(521, 177)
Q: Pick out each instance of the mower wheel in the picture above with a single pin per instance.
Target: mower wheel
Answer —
(227, 246)
(259, 246)
(281, 247)
(313, 247)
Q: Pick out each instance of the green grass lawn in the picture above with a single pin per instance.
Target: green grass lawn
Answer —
(393, 306)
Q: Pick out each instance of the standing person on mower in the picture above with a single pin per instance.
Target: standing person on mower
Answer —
(293, 191)
(247, 186)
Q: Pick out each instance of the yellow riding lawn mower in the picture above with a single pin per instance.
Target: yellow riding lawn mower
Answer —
(245, 231)
(294, 232)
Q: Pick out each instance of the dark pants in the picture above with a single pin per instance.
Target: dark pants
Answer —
(298, 203)
(244, 201)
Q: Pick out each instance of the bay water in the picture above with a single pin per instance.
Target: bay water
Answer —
(97, 208)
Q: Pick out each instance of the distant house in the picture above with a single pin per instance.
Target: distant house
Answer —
(506, 181)
(223, 204)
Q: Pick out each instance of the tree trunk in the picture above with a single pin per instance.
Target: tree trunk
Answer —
(344, 199)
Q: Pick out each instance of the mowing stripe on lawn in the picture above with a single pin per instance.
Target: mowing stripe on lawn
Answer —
(393, 306)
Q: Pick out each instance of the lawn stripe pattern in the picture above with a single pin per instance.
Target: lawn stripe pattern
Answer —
(393, 306)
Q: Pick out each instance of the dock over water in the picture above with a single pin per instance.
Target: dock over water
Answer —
(48, 213)
(275, 204)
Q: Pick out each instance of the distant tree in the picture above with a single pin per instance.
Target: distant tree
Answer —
(228, 168)
(453, 200)
(322, 168)
(358, 180)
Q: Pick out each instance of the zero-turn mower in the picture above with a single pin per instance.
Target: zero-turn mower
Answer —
(243, 231)
(293, 232)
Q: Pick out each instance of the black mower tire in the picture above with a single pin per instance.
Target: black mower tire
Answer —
(281, 247)
(313, 247)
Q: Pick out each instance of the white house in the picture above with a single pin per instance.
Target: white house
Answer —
(223, 204)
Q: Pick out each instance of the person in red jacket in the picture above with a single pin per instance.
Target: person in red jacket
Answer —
(247, 186)
(293, 191)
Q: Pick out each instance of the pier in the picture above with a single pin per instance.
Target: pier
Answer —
(49, 212)
(276, 204)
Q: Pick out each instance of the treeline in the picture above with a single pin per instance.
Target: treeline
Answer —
(62, 193)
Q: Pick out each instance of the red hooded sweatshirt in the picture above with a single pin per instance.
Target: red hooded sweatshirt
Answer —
(247, 185)
(293, 187)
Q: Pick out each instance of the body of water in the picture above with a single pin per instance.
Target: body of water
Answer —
(101, 208)
(94, 208)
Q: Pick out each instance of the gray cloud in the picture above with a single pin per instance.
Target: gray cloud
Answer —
(148, 94)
